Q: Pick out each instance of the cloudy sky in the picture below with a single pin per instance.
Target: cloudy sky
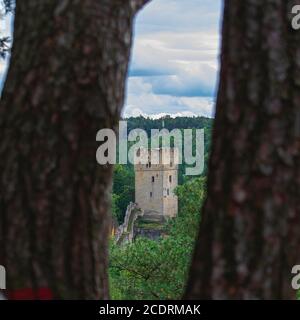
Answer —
(175, 59)
(174, 62)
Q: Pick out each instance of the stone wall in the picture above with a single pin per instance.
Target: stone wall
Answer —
(125, 232)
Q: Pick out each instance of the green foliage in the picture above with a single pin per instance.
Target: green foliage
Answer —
(123, 190)
(150, 269)
(169, 123)
(190, 195)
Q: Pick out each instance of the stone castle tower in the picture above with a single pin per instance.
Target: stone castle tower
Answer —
(155, 182)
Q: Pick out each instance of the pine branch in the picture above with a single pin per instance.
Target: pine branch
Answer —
(8, 5)
(4, 47)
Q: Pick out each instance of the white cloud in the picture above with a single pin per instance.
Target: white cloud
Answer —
(175, 58)
(142, 101)
(155, 49)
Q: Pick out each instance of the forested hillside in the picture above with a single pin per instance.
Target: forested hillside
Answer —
(169, 123)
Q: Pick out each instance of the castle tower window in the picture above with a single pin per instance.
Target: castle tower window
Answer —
(152, 179)
(170, 179)
(168, 192)
(151, 194)
(149, 164)
(138, 153)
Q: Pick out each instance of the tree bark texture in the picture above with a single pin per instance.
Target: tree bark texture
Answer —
(65, 82)
(249, 237)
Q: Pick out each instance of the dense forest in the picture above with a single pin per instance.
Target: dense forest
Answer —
(169, 123)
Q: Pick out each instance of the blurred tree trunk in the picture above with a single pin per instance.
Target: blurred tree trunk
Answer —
(249, 237)
(65, 82)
